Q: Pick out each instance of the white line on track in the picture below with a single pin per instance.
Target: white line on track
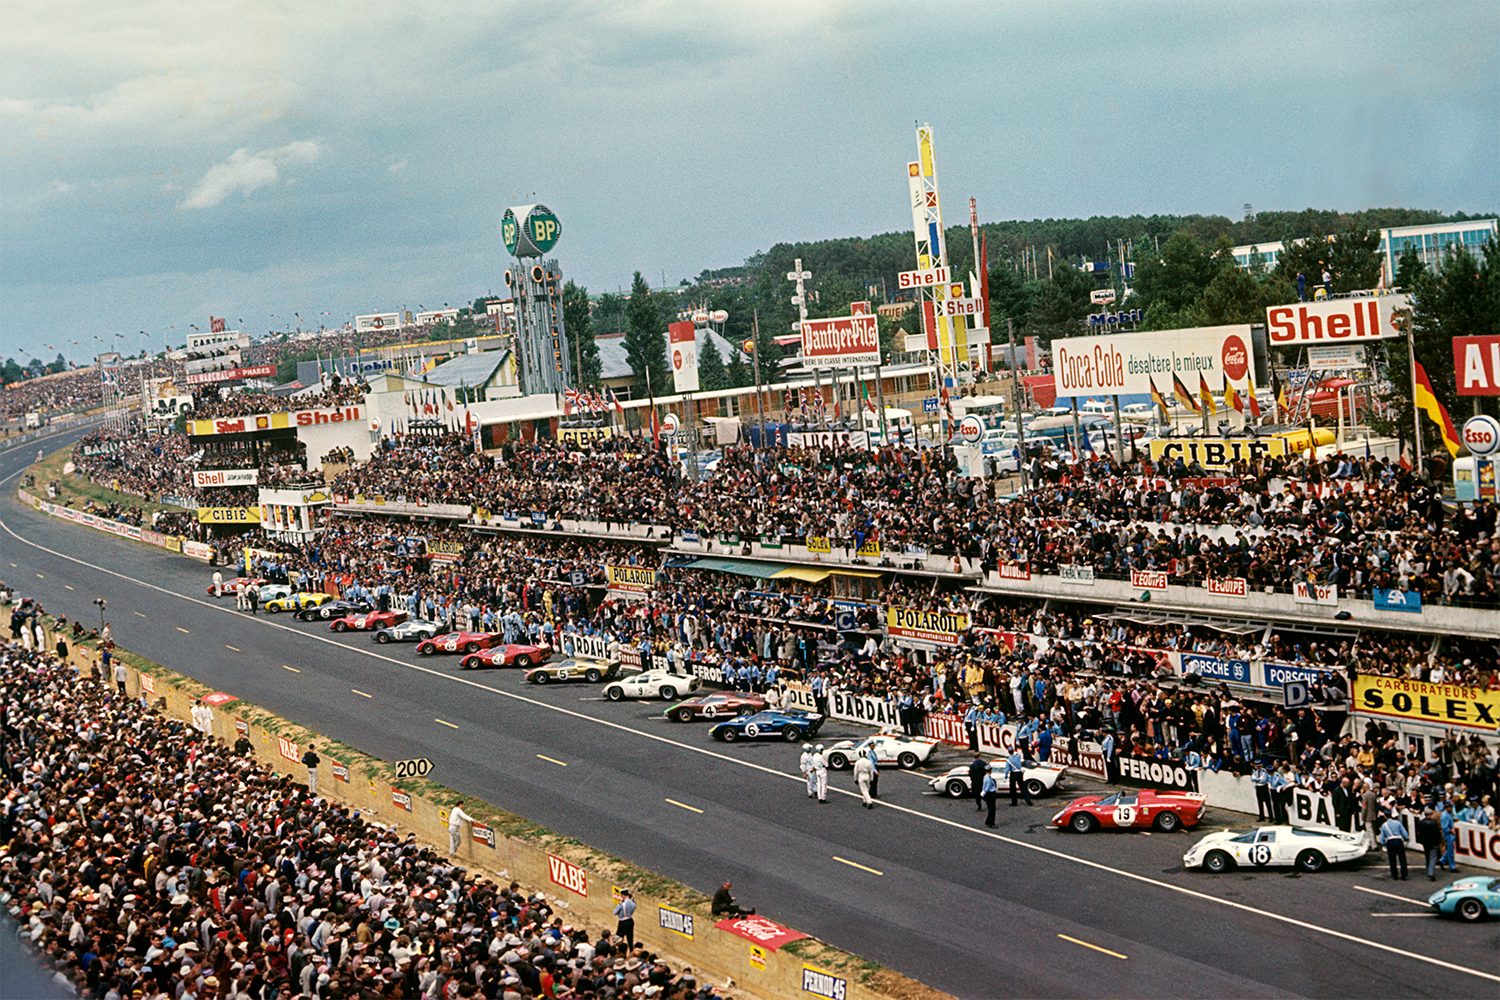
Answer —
(856, 864)
(442, 723)
(361, 693)
(707, 752)
(1389, 895)
(683, 805)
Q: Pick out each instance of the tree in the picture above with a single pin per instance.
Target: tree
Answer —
(1169, 285)
(711, 372)
(645, 339)
(1352, 258)
(609, 314)
(11, 372)
(739, 370)
(580, 330)
(1060, 305)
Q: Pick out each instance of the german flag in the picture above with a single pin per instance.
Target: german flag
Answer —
(1232, 399)
(1158, 399)
(1207, 396)
(1279, 391)
(1183, 395)
(1254, 403)
(1427, 400)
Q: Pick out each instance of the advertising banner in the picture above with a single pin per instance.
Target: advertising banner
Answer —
(1229, 586)
(228, 515)
(1476, 845)
(1311, 808)
(232, 374)
(207, 478)
(1149, 579)
(682, 351)
(1011, 571)
(824, 984)
(568, 875)
(1216, 453)
(1280, 674)
(862, 709)
(1420, 701)
(841, 342)
(196, 549)
(1169, 775)
(275, 421)
(1477, 362)
(1326, 594)
(218, 338)
(376, 322)
(632, 581)
(1397, 600)
(1333, 319)
(943, 628)
(1069, 573)
(795, 694)
(759, 930)
(676, 921)
(1339, 357)
(1216, 668)
(1084, 756)
(1127, 363)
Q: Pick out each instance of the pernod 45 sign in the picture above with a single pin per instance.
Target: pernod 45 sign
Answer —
(529, 230)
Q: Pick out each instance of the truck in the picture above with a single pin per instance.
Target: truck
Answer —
(33, 420)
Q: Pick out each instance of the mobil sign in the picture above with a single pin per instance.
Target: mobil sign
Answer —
(1335, 319)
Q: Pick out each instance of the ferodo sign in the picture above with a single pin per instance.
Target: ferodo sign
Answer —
(1418, 701)
(945, 628)
(1128, 363)
(1216, 453)
(1334, 319)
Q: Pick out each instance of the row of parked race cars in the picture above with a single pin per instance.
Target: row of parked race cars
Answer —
(745, 716)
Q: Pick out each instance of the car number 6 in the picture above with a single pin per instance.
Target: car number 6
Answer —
(752, 730)
(1260, 854)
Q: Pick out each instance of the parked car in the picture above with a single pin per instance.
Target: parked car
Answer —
(716, 706)
(1472, 898)
(891, 750)
(1307, 848)
(1039, 778)
(1145, 809)
(789, 724)
(661, 684)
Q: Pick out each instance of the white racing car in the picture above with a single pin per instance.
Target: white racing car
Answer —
(653, 684)
(1307, 848)
(891, 749)
(411, 630)
(1040, 778)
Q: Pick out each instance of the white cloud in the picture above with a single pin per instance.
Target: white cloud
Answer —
(245, 172)
(396, 168)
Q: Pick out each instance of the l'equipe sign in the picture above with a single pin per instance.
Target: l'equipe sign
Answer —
(1476, 360)
(1334, 319)
(206, 478)
(841, 341)
(568, 875)
(1420, 701)
(1149, 579)
(1234, 586)
(1128, 362)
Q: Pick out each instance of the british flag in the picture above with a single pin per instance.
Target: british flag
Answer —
(570, 400)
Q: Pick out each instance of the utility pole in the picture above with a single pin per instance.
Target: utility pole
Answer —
(1015, 399)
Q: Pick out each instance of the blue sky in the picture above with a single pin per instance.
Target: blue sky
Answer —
(163, 161)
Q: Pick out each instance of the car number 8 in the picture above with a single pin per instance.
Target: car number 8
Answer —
(1260, 854)
(1124, 816)
(752, 730)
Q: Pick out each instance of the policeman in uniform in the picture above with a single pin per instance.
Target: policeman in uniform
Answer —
(804, 764)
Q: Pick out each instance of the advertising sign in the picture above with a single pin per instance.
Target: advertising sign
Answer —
(1070, 573)
(683, 353)
(970, 430)
(1102, 296)
(824, 984)
(228, 515)
(676, 921)
(529, 230)
(1326, 594)
(841, 342)
(232, 374)
(1476, 360)
(1279, 675)
(274, 421)
(1126, 363)
(1397, 600)
(218, 338)
(568, 875)
(376, 322)
(634, 580)
(1419, 701)
(1011, 571)
(1230, 586)
(1216, 669)
(1216, 453)
(1170, 775)
(1481, 435)
(1336, 356)
(863, 709)
(1149, 579)
(1333, 319)
(929, 278)
(759, 930)
(206, 478)
(944, 628)
(435, 316)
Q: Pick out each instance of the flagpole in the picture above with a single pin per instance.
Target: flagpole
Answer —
(1416, 414)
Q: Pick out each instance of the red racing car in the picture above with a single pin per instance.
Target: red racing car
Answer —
(514, 655)
(1145, 809)
(459, 642)
(368, 621)
(716, 706)
(233, 586)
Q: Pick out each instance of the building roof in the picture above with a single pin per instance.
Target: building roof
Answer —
(467, 369)
(612, 363)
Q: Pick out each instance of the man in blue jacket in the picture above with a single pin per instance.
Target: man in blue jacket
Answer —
(1017, 764)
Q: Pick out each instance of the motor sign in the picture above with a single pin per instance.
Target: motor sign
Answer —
(929, 278)
(1481, 435)
(929, 404)
(1335, 319)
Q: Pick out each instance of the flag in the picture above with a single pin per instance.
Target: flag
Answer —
(1402, 459)
(597, 402)
(1207, 396)
(864, 390)
(1232, 399)
(1158, 399)
(1427, 400)
(570, 400)
(1254, 403)
(1279, 391)
(619, 406)
(1183, 395)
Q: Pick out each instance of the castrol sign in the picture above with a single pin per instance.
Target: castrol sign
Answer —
(1481, 435)
(1127, 363)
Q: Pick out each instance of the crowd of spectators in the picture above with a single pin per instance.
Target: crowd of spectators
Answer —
(210, 404)
(160, 468)
(142, 858)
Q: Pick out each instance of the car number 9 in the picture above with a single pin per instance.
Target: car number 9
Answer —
(1260, 854)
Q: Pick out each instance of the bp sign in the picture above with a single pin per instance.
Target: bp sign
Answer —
(529, 230)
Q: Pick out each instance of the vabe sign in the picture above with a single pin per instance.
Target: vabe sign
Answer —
(568, 875)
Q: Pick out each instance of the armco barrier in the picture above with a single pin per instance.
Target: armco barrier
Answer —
(171, 543)
(582, 881)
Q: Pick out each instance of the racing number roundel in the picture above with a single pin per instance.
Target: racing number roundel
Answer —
(710, 711)
(562, 673)
(1124, 815)
(1260, 854)
(752, 730)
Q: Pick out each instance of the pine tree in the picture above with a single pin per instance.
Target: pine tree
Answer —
(711, 372)
(645, 340)
(580, 328)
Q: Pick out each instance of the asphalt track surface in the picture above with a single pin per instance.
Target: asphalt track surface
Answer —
(917, 884)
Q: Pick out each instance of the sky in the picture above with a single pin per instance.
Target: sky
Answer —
(163, 161)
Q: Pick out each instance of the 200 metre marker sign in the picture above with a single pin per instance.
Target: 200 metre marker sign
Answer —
(416, 767)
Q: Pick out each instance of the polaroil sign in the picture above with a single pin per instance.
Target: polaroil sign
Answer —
(1216, 453)
(632, 579)
(942, 627)
(1418, 701)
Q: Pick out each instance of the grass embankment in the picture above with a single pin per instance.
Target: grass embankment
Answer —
(75, 488)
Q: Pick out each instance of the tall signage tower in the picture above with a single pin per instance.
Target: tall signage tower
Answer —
(541, 342)
(947, 341)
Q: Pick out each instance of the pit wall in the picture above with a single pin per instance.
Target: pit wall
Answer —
(582, 881)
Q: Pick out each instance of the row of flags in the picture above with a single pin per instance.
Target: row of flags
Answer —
(586, 401)
(1204, 401)
(429, 402)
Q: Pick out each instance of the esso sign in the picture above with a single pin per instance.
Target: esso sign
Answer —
(970, 430)
(669, 425)
(1481, 435)
(1235, 358)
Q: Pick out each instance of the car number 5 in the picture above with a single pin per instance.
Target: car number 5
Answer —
(1260, 854)
(752, 730)
(562, 673)
(1124, 815)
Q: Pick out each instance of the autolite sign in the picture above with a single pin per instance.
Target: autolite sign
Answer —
(1335, 319)
(1476, 360)
(204, 478)
(841, 341)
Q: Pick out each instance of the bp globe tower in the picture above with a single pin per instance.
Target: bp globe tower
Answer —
(529, 232)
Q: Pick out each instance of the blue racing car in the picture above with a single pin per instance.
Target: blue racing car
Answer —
(790, 724)
(1471, 897)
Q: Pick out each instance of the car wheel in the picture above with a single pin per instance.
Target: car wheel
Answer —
(592, 676)
(838, 761)
(1083, 823)
(614, 693)
(907, 760)
(727, 735)
(340, 627)
(1218, 862)
(272, 610)
(790, 734)
(1311, 861)
(744, 710)
(466, 663)
(541, 677)
(523, 661)
(1035, 788)
(382, 637)
(683, 714)
(1470, 909)
(426, 650)
(472, 647)
(1168, 821)
(957, 789)
(667, 692)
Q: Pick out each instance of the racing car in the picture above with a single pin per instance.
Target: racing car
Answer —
(1470, 897)
(1165, 811)
(513, 655)
(661, 684)
(458, 642)
(716, 705)
(233, 586)
(299, 601)
(1039, 778)
(891, 749)
(790, 724)
(565, 671)
(336, 608)
(368, 621)
(414, 630)
(1307, 848)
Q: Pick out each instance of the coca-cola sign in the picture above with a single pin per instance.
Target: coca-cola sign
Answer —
(766, 933)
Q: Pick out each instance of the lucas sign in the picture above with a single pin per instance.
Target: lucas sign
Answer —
(841, 342)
